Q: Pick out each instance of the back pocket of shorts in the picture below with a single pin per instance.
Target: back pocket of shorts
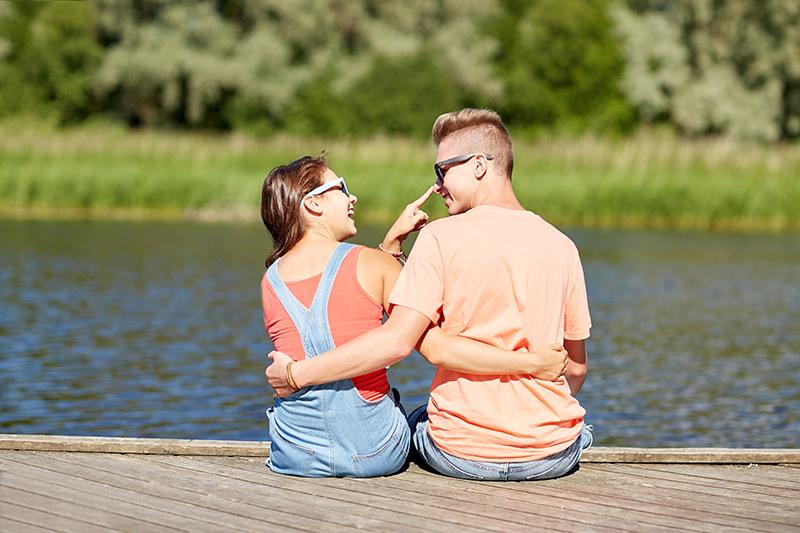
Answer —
(289, 458)
(387, 459)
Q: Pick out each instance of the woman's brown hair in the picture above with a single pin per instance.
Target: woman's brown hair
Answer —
(282, 198)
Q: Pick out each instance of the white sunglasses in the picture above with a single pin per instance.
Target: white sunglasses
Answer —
(327, 186)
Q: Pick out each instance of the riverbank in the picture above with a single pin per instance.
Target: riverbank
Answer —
(652, 179)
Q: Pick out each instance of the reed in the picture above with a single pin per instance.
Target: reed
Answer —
(652, 179)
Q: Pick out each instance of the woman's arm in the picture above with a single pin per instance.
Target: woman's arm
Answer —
(412, 219)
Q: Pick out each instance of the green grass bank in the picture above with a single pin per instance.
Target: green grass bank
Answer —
(652, 179)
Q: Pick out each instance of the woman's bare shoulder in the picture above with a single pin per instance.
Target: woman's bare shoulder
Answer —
(377, 262)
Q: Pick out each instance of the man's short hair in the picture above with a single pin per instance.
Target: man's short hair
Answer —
(477, 130)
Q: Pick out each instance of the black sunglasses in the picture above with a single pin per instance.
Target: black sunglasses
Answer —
(442, 167)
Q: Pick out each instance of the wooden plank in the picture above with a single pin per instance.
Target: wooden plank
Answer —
(271, 504)
(9, 524)
(341, 490)
(452, 495)
(301, 493)
(776, 472)
(658, 478)
(58, 443)
(632, 500)
(598, 480)
(130, 506)
(749, 476)
(474, 512)
(627, 512)
(148, 483)
(758, 513)
(116, 474)
(509, 500)
(60, 514)
(729, 477)
(261, 449)
(692, 455)
(598, 496)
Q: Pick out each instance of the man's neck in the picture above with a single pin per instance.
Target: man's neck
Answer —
(497, 195)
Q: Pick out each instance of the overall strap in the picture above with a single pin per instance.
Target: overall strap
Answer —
(297, 311)
(311, 323)
(320, 302)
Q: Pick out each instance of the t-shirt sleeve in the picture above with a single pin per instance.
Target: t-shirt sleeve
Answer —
(577, 321)
(420, 285)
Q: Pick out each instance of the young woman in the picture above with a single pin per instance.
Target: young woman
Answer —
(319, 292)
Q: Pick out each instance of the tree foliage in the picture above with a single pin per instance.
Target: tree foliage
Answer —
(273, 64)
(48, 52)
(359, 67)
(562, 66)
(712, 66)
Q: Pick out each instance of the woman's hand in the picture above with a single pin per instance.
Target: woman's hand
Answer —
(276, 374)
(411, 219)
(549, 362)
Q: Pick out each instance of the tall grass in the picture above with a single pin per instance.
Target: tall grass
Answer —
(650, 180)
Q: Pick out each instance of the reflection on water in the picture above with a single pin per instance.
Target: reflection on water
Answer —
(154, 329)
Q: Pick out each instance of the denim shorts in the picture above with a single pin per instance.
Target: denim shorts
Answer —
(554, 466)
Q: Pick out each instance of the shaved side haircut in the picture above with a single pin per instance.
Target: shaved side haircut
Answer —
(477, 130)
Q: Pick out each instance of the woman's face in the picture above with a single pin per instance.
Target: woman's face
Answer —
(338, 208)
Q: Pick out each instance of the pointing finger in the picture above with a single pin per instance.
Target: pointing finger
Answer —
(424, 198)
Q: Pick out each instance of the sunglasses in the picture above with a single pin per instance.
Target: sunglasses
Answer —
(328, 185)
(442, 167)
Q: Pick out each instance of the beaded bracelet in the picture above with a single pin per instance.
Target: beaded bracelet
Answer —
(400, 256)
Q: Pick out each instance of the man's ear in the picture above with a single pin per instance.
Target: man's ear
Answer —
(481, 167)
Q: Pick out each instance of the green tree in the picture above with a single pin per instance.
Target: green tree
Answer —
(561, 65)
(48, 56)
(178, 68)
(272, 64)
(710, 66)
(400, 95)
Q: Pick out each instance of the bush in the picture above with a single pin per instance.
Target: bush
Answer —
(51, 52)
(400, 96)
(563, 68)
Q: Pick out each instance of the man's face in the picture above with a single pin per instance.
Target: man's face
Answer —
(459, 179)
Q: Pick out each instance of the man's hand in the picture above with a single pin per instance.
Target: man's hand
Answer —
(550, 362)
(276, 374)
(412, 219)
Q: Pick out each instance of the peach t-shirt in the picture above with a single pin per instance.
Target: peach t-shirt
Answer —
(508, 278)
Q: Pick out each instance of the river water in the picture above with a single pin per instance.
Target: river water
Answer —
(154, 329)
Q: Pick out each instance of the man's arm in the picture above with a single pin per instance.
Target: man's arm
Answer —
(375, 349)
(577, 364)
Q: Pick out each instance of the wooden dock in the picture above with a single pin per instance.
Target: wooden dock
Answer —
(88, 484)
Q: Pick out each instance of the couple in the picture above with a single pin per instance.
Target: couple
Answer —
(486, 296)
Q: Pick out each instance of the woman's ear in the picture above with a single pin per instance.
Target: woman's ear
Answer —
(312, 205)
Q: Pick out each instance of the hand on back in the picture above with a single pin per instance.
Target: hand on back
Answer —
(550, 362)
(276, 374)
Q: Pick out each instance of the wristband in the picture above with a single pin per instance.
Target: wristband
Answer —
(400, 256)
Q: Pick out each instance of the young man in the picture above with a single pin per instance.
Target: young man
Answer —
(495, 273)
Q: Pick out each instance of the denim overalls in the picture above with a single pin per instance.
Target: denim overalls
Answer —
(330, 430)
